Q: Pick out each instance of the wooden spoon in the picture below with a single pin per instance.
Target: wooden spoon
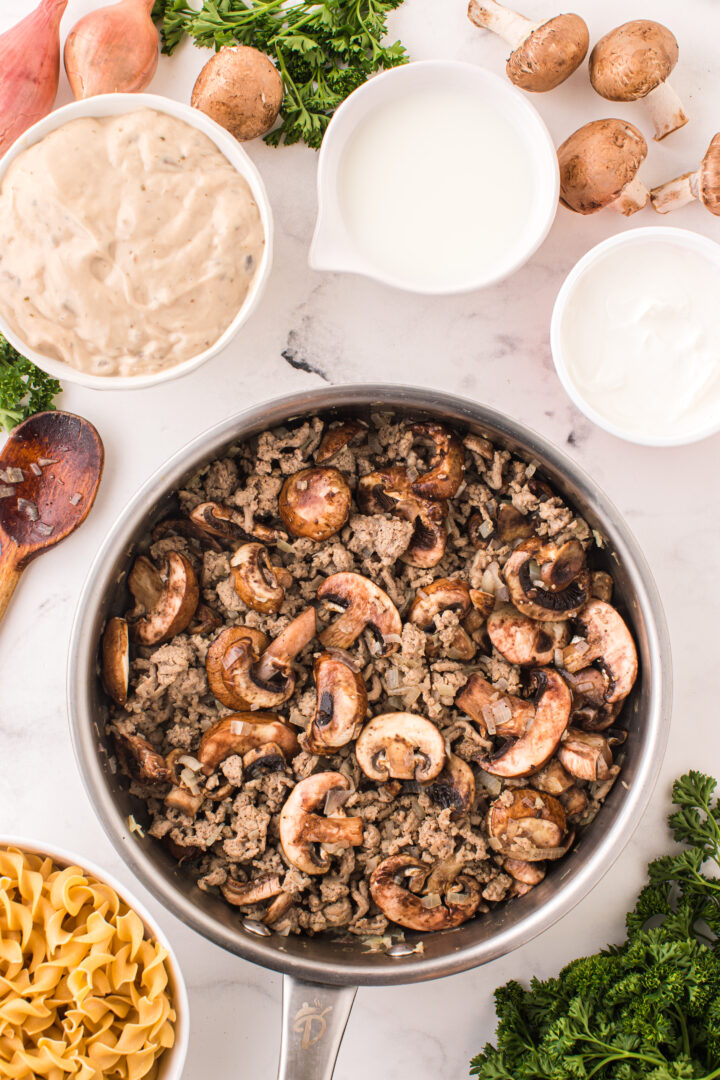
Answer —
(43, 509)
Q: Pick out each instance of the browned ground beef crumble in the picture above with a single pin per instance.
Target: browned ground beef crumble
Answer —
(169, 702)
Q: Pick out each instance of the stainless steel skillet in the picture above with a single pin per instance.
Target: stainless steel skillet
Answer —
(321, 974)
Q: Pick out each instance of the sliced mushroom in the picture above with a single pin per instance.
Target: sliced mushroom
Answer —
(454, 788)
(241, 733)
(703, 185)
(224, 522)
(182, 799)
(493, 711)
(389, 889)
(205, 620)
(367, 607)
(537, 745)
(149, 764)
(482, 602)
(444, 594)
(257, 582)
(599, 165)
(544, 54)
(446, 466)
(279, 907)
(262, 760)
(608, 642)
(525, 875)
(528, 825)
(290, 642)
(341, 705)
(315, 503)
(632, 63)
(254, 676)
(116, 660)
(165, 601)
(224, 651)
(523, 640)
(585, 755)
(303, 830)
(389, 490)
(400, 746)
(557, 589)
(512, 525)
(575, 801)
(336, 438)
(255, 891)
(552, 779)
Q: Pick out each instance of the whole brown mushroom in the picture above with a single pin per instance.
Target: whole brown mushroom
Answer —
(633, 62)
(599, 164)
(703, 185)
(315, 503)
(544, 54)
(241, 89)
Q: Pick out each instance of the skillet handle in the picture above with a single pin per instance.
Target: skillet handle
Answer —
(314, 1019)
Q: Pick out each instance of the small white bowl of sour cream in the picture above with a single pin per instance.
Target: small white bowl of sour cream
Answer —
(635, 336)
(115, 105)
(436, 177)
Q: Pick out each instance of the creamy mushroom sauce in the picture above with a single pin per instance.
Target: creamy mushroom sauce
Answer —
(127, 243)
(353, 851)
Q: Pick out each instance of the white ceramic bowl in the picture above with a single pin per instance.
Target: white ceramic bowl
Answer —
(116, 105)
(173, 1060)
(333, 247)
(684, 239)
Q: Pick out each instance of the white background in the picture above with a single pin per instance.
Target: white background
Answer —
(491, 346)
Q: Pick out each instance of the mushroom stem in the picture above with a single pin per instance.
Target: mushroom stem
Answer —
(632, 198)
(675, 193)
(666, 111)
(509, 25)
(286, 646)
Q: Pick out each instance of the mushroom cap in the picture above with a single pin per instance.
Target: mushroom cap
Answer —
(631, 60)
(341, 704)
(315, 502)
(242, 732)
(533, 749)
(241, 893)
(709, 177)
(550, 54)
(366, 605)
(405, 907)
(597, 162)
(301, 828)
(560, 586)
(523, 640)
(402, 746)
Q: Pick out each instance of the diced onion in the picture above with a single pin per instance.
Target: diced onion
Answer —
(6, 491)
(44, 529)
(35, 469)
(75, 499)
(485, 529)
(335, 798)
(14, 476)
(432, 900)
(28, 508)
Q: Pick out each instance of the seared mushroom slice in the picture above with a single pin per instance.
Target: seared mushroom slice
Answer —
(224, 522)
(512, 525)
(257, 582)
(544, 54)
(116, 660)
(632, 63)
(315, 503)
(538, 744)
(400, 746)
(454, 788)
(609, 642)
(389, 490)
(585, 755)
(303, 829)
(255, 891)
(262, 760)
(599, 165)
(528, 825)
(149, 764)
(278, 657)
(389, 888)
(559, 586)
(205, 620)
(367, 607)
(552, 779)
(224, 651)
(182, 799)
(575, 801)
(165, 601)
(336, 438)
(341, 705)
(279, 907)
(446, 466)
(444, 594)
(703, 185)
(266, 679)
(525, 875)
(241, 733)
(495, 713)
(523, 640)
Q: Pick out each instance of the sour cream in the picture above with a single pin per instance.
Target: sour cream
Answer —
(636, 335)
(435, 188)
(127, 243)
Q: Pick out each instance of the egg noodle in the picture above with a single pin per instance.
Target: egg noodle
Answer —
(83, 992)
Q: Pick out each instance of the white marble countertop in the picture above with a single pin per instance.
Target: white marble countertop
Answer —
(490, 346)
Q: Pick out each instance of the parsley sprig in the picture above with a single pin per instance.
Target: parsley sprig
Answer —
(24, 388)
(649, 1008)
(324, 49)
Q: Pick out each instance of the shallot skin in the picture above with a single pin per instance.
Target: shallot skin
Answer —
(29, 70)
(112, 50)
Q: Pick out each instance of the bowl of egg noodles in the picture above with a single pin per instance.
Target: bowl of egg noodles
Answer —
(90, 985)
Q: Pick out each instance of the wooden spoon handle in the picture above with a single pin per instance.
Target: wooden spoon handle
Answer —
(10, 574)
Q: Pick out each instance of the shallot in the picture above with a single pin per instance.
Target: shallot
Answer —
(112, 50)
(29, 70)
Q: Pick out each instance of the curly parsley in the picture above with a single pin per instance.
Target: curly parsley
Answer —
(649, 1008)
(24, 388)
(324, 49)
